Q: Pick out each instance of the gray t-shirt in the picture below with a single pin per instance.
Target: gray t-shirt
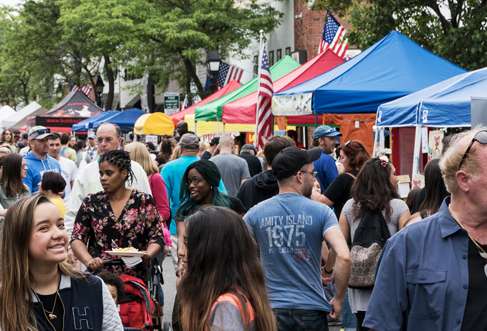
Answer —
(359, 299)
(233, 170)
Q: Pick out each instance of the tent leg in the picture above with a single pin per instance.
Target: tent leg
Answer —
(417, 151)
(376, 139)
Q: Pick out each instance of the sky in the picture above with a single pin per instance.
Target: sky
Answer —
(10, 2)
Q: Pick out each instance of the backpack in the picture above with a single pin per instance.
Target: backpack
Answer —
(367, 244)
(136, 306)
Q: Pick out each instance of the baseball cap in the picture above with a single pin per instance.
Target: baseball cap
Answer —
(189, 141)
(325, 131)
(39, 132)
(91, 135)
(291, 159)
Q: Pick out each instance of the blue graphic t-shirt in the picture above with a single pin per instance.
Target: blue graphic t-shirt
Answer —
(289, 229)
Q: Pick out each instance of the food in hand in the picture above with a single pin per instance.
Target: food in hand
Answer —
(126, 250)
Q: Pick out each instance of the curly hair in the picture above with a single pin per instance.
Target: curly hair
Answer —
(121, 160)
(357, 155)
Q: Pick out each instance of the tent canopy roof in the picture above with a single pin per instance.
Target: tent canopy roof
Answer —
(20, 118)
(74, 104)
(391, 68)
(124, 119)
(88, 123)
(444, 104)
(213, 111)
(231, 86)
(243, 110)
(154, 124)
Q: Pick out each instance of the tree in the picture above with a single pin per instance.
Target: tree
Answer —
(454, 29)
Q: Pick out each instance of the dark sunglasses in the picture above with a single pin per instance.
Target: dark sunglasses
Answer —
(480, 137)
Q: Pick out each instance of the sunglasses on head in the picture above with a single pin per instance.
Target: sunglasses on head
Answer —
(480, 137)
(43, 131)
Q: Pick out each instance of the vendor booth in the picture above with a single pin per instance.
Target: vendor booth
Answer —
(125, 119)
(6, 112)
(391, 68)
(72, 109)
(89, 123)
(445, 104)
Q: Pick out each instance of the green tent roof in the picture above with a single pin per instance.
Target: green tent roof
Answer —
(213, 110)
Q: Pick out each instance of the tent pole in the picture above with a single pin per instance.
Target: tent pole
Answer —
(417, 151)
(376, 138)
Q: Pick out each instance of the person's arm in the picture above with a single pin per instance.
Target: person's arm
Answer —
(75, 200)
(245, 171)
(81, 252)
(404, 219)
(155, 226)
(316, 196)
(337, 242)
(160, 196)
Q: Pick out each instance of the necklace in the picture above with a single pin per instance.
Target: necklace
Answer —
(49, 315)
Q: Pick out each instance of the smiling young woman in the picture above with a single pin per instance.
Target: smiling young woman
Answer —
(39, 290)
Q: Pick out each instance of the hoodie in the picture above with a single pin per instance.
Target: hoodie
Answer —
(258, 188)
(36, 168)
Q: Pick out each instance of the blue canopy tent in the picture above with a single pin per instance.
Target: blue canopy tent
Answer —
(88, 123)
(445, 104)
(391, 68)
(441, 105)
(124, 119)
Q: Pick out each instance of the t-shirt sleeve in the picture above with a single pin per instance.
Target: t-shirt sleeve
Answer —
(398, 207)
(226, 317)
(329, 219)
(245, 170)
(338, 189)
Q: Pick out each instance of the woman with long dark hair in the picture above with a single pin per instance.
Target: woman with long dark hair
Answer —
(117, 217)
(223, 287)
(7, 140)
(14, 170)
(353, 155)
(372, 192)
(39, 289)
(435, 192)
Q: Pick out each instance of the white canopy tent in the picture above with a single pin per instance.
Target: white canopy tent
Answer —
(21, 118)
(6, 112)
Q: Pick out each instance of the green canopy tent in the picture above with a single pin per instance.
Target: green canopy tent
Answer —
(213, 111)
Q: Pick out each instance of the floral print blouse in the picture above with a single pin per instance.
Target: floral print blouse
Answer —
(138, 226)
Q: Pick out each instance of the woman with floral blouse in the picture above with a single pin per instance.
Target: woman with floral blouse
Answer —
(117, 217)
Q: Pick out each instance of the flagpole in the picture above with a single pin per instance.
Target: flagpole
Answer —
(259, 61)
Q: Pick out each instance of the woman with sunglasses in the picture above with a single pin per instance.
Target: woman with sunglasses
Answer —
(39, 289)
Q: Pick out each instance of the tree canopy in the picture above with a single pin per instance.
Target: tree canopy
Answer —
(50, 45)
(454, 29)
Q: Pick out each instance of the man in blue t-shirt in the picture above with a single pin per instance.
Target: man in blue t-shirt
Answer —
(289, 229)
(325, 166)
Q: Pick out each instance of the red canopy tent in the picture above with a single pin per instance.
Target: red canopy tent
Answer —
(231, 86)
(242, 111)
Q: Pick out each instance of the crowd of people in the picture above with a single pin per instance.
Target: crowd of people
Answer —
(281, 238)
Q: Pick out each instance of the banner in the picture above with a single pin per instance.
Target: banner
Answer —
(292, 105)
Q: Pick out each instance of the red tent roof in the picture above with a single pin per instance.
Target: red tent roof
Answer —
(243, 109)
(231, 86)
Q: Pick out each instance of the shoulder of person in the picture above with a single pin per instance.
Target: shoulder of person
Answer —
(397, 203)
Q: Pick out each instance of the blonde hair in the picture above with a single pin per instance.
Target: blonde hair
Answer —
(227, 141)
(452, 157)
(16, 280)
(139, 153)
(176, 152)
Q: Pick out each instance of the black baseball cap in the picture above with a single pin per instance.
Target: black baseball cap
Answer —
(291, 159)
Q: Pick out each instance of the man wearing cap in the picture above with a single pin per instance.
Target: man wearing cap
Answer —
(38, 161)
(325, 166)
(290, 229)
(91, 150)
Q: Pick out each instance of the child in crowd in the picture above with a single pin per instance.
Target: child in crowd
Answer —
(52, 186)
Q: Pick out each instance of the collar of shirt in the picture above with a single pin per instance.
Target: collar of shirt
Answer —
(448, 225)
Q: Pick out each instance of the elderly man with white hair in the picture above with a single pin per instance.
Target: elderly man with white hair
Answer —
(433, 274)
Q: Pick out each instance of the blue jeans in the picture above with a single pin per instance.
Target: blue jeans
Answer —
(301, 320)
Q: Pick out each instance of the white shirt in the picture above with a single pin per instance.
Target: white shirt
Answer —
(88, 182)
(68, 170)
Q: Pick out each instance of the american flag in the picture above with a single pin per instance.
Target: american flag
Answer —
(87, 90)
(264, 102)
(228, 72)
(333, 37)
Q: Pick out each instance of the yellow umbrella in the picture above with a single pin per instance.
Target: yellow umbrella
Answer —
(158, 124)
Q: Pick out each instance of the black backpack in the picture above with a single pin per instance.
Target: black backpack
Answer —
(367, 244)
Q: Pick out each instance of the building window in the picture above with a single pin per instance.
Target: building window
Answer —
(288, 51)
(278, 54)
(256, 65)
(271, 58)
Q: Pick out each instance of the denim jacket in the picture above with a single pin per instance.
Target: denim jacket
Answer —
(422, 280)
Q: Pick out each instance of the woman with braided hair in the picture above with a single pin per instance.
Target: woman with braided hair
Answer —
(117, 217)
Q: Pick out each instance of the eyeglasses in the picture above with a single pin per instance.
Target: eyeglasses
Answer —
(481, 137)
(312, 173)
